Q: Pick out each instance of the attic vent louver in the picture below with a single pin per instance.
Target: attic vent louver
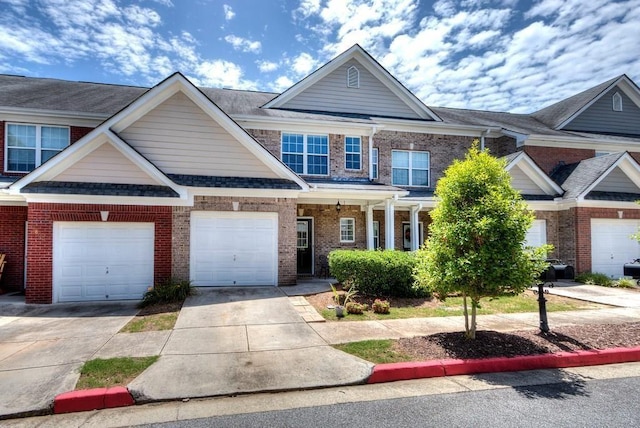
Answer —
(353, 77)
(617, 102)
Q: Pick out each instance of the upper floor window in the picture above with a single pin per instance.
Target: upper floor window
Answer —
(29, 146)
(617, 102)
(353, 77)
(306, 154)
(353, 151)
(374, 163)
(410, 168)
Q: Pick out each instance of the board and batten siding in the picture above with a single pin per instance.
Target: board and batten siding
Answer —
(105, 165)
(616, 181)
(600, 116)
(332, 94)
(520, 181)
(179, 138)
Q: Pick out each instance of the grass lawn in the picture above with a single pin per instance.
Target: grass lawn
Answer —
(376, 351)
(101, 373)
(154, 318)
(423, 308)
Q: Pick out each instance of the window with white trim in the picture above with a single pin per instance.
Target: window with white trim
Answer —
(347, 230)
(374, 163)
(617, 102)
(376, 235)
(352, 153)
(29, 146)
(409, 168)
(306, 154)
(353, 77)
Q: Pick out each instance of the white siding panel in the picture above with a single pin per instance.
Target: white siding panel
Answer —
(179, 138)
(105, 165)
(521, 182)
(332, 94)
(617, 181)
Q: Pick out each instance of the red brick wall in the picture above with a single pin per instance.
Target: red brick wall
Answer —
(12, 222)
(40, 239)
(75, 133)
(548, 157)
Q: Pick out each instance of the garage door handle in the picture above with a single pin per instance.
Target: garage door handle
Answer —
(107, 270)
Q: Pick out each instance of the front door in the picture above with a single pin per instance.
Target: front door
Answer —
(305, 249)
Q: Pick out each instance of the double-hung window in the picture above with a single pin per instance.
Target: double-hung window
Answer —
(29, 146)
(410, 168)
(353, 152)
(374, 163)
(306, 154)
(347, 230)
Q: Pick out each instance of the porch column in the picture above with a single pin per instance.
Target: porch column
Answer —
(389, 225)
(415, 227)
(369, 218)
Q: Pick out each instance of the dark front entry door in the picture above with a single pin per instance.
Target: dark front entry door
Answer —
(305, 251)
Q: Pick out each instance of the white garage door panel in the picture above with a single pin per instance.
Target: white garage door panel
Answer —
(102, 261)
(537, 234)
(612, 245)
(234, 248)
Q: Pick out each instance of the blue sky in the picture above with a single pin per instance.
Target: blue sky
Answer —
(505, 55)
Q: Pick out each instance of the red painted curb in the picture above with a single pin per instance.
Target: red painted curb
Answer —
(92, 399)
(404, 371)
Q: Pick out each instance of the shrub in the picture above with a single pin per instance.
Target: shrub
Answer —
(355, 308)
(594, 278)
(381, 306)
(375, 272)
(169, 291)
(625, 283)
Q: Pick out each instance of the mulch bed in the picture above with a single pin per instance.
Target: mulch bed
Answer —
(517, 343)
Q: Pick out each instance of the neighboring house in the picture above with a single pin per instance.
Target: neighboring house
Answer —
(106, 190)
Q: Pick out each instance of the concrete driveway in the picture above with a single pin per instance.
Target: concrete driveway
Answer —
(42, 348)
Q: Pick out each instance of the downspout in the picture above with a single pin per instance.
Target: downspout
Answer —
(482, 135)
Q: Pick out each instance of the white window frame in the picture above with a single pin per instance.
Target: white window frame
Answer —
(376, 235)
(374, 163)
(353, 71)
(411, 168)
(617, 102)
(305, 152)
(358, 153)
(348, 222)
(38, 147)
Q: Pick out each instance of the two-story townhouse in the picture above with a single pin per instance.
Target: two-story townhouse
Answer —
(106, 189)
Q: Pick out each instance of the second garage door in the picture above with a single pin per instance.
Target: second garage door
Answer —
(234, 248)
(612, 245)
(102, 261)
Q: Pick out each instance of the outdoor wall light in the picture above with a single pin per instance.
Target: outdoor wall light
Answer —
(338, 206)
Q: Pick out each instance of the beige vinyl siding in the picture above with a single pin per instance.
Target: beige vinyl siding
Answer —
(520, 181)
(616, 181)
(105, 165)
(332, 94)
(179, 138)
(600, 117)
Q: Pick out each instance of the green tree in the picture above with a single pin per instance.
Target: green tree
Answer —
(475, 244)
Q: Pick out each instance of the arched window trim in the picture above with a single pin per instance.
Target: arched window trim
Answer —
(353, 77)
(617, 102)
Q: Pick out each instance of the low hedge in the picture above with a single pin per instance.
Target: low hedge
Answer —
(375, 272)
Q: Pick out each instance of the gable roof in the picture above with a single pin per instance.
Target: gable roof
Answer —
(561, 113)
(371, 65)
(580, 180)
(534, 174)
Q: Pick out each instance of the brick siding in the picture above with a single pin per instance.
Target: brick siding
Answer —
(285, 207)
(548, 158)
(40, 239)
(12, 224)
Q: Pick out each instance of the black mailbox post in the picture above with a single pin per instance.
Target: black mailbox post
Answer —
(548, 275)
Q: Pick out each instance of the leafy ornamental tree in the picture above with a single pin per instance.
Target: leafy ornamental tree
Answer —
(475, 246)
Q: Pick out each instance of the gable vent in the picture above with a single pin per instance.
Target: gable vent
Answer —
(353, 77)
(617, 102)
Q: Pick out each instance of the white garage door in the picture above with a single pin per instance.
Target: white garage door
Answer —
(102, 261)
(612, 246)
(234, 248)
(537, 234)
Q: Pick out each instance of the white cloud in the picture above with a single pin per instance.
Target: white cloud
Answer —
(267, 66)
(303, 64)
(306, 9)
(243, 45)
(228, 12)
(281, 83)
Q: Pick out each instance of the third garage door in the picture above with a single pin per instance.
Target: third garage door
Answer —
(612, 245)
(234, 248)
